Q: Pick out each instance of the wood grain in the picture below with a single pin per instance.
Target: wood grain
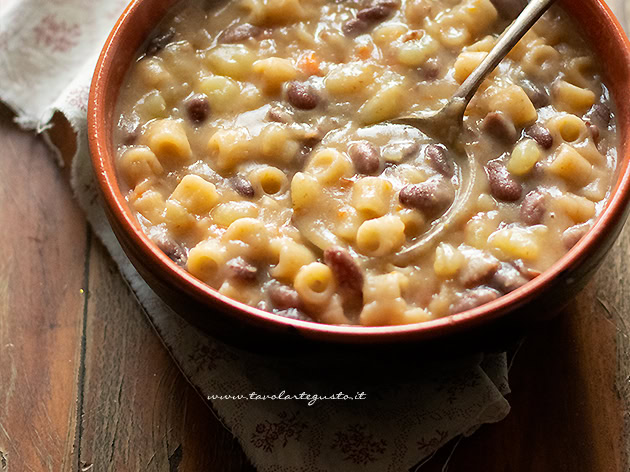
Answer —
(42, 254)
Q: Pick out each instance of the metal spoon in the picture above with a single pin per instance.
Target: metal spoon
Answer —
(445, 125)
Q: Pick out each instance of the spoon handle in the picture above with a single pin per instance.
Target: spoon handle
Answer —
(532, 12)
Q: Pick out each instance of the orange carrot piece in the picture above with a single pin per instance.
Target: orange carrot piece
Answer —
(309, 63)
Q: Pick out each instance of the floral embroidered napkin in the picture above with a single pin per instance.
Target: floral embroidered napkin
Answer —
(48, 51)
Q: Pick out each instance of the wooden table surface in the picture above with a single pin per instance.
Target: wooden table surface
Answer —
(85, 384)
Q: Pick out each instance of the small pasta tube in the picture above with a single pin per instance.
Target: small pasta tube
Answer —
(381, 236)
(227, 213)
(524, 157)
(274, 12)
(205, 259)
(450, 30)
(232, 60)
(477, 15)
(268, 180)
(305, 191)
(385, 104)
(579, 209)
(251, 233)
(383, 300)
(347, 79)
(541, 61)
(516, 242)
(416, 52)
(448, 260)
(413, 220)
(222, 92)
(387, 33)
(333, 312)
(371, 196)
(347, 224)
(277, 144)
(150, 205)
(230, 147)
(315, 284)
(580, 71)
(571, 166)
(466, 63)
(567, 128)
(139, 163)
(328, 166)
(168, 141)
(177, 217)
(274, 71)
(196, 194)
(514, 102)
(153, 74)
(292, 256)
(572, 98)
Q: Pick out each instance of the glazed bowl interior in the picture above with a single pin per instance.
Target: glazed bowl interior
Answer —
(602, 31)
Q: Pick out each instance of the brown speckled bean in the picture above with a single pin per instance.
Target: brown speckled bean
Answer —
(438, 158)
(367, 17)
(355, 27)
(346, 270)
(533, 208)
(473, 298)
(541, 135)
(496, 124)
(198, 108)
(502, 185)
(240, 269)
(302, 96)
(242, 186)
(431, 196)
(283, 297)
(239, 33)
(365, 157)
(375, 13)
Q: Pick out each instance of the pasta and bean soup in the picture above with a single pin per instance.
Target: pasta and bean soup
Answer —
(253, 147)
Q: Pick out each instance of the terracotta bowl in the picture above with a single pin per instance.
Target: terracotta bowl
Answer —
(489, 327)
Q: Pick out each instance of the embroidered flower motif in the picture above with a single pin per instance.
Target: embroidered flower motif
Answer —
(208, 356)
(357, 445)
(56, 35)
(267, 434)
(78, 98)
(432, 443)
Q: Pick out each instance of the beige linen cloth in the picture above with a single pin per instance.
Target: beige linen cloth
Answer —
(48, 50)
